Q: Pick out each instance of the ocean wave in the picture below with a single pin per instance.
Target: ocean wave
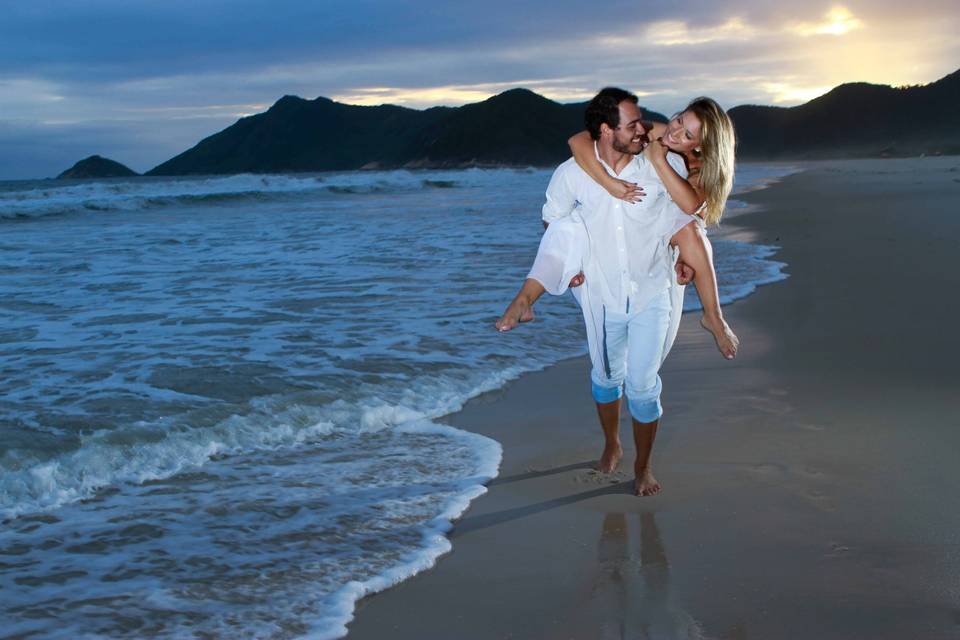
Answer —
(272, 539)
(146, 193)
(144, 452)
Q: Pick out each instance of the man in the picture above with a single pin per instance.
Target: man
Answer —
(630, 300)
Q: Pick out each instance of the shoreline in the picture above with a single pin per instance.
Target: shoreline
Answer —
(757, 452)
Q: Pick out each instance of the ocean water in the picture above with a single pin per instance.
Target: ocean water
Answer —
(221, 399)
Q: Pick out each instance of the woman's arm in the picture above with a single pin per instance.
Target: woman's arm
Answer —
(685, 193)
(583, 152)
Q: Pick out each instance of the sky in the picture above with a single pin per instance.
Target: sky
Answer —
(139, 81)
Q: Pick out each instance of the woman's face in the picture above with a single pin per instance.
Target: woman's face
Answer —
(683, 132)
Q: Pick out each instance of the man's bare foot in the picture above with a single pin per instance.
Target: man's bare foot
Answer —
(610, 459)
(727, 341)
(519, 311)
(645, 484)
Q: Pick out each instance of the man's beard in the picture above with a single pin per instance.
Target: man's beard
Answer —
(633, 148)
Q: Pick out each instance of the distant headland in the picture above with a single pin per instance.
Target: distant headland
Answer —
(521, 128)
(97, 167)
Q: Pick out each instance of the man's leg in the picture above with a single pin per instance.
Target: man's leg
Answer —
(609, 414)
(644, 434)
(647, 336)
(608, 344)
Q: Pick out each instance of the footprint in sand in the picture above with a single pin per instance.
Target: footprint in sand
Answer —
(592, 476)
(770, 406)
(819, 499)
(812, 473)
(768, 472)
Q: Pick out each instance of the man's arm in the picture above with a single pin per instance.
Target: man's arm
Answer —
(561, 195)
(561, 201)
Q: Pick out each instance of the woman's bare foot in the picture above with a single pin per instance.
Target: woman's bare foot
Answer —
(520, 310)
(610, 459)
(727, 341)
(645, 484)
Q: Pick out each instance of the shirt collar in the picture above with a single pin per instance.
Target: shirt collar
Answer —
(609, 169)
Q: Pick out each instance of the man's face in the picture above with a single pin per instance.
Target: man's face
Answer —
(630, 136)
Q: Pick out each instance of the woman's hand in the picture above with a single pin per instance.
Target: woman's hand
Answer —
(655, 150)
(623, 190)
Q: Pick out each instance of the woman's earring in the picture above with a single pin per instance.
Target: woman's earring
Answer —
(697, 152)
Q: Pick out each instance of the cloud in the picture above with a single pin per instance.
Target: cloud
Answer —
(837, 21)
(459, 94)
(675, 33)
(151, 79)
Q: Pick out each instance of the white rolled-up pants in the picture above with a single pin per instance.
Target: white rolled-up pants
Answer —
(626, 349)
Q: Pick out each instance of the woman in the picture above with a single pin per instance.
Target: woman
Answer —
(702, 134)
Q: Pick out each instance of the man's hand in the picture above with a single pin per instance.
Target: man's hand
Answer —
(576, 280)
(685, 273)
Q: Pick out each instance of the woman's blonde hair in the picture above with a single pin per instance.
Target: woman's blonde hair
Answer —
(717, 148)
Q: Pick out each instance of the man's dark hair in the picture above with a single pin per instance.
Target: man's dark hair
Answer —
(604, 108)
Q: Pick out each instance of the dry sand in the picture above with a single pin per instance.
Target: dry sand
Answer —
(811, 488)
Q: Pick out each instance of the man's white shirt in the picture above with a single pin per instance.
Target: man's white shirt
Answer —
(629, 257)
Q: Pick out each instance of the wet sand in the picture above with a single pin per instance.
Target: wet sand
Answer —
(810, 486)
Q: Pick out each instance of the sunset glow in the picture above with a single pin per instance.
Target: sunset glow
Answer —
(837, 22)
(781, 93)
(71, 82)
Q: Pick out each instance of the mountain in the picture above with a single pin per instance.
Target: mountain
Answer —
(521, 128)
(97, 167)
(517, 127)
(855, 120)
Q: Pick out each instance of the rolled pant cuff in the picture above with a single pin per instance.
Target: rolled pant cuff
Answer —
(645, 410)
(603, 395)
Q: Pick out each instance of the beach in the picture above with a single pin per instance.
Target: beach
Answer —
(214, 358)
(809, 486)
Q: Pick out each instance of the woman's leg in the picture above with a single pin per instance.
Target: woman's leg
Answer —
(557, 266)
(521, 309)
(696, 251)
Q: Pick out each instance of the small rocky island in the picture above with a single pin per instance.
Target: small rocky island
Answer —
(97, 167)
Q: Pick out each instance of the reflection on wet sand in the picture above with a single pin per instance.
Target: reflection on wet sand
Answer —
(631, 587)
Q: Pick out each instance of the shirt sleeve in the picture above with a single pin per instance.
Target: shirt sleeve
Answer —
(561, 199)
